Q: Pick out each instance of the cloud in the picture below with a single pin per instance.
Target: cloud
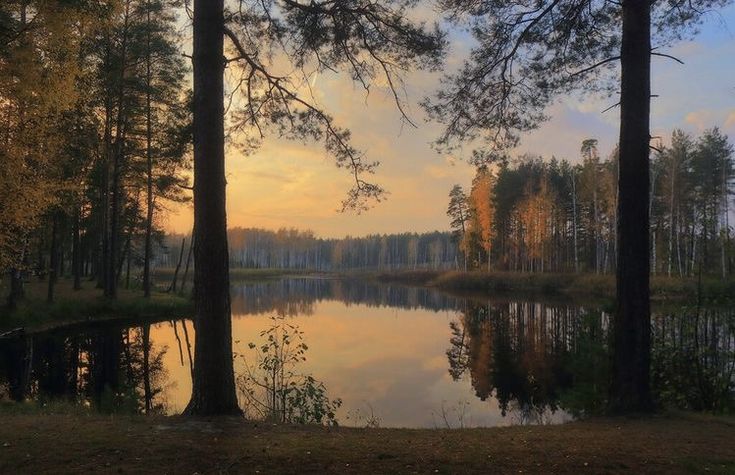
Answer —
(295, 185)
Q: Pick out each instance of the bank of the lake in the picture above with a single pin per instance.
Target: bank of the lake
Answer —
(679, 443)
(588, 285)
(75, 306)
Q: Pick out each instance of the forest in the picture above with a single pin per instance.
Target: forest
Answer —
(117, 114)
(96, 132)
(534, 215)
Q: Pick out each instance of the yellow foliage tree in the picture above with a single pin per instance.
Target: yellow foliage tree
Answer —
(481, 198)
(38, 70)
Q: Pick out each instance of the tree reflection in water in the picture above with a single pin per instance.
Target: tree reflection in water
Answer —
(109, 368)
(541, 360)
(537, 358)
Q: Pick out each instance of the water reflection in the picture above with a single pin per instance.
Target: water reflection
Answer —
(111, 368)
(298, 296)
(693, 360)
(529, 355)
(401, 356)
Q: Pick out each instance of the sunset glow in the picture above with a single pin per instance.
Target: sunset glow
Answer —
(292, 184)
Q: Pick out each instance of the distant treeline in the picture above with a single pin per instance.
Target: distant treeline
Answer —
(294, 249)
(536, 215)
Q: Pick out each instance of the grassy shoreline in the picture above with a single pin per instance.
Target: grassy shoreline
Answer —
(679, 443)
(592, 285)
(77, 306)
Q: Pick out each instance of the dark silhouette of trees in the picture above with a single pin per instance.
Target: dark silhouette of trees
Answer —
(525, 57)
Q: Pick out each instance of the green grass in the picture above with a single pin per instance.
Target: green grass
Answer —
(590, 285)
(72, 306)
(73, 443)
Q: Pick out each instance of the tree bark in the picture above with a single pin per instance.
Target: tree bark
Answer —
(213, 388)
(117, 166)
(53, 257)
(188, 263)
(76, 254)
(574, 220)
(172, 287)
(104, 255)
(672, 169)
(630, 389)
(149, 163)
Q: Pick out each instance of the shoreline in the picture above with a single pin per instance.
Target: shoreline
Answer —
(599, 286)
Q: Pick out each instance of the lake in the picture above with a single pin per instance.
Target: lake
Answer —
(396, 356)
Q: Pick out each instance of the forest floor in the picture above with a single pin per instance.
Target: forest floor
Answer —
(581, 285)
(76, 306)
(679, 443)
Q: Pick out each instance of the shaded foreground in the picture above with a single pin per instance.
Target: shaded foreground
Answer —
(681, 443)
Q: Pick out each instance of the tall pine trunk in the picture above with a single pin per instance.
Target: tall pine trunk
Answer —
(725, 221)
(671, 214)
(76, 252)
(574, 220)
(53, 257)
(213, 389)
(117, 165)
(630, 389)
(104, 255)
(172, 287)
(149, 162)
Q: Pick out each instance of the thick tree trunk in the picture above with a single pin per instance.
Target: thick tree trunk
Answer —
(630, 389)
(213, 390)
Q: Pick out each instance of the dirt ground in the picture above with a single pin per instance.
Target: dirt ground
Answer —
(680, 443)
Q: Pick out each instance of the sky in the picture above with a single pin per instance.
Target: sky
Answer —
(297, 185)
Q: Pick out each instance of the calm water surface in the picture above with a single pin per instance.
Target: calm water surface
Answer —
(404, 357)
